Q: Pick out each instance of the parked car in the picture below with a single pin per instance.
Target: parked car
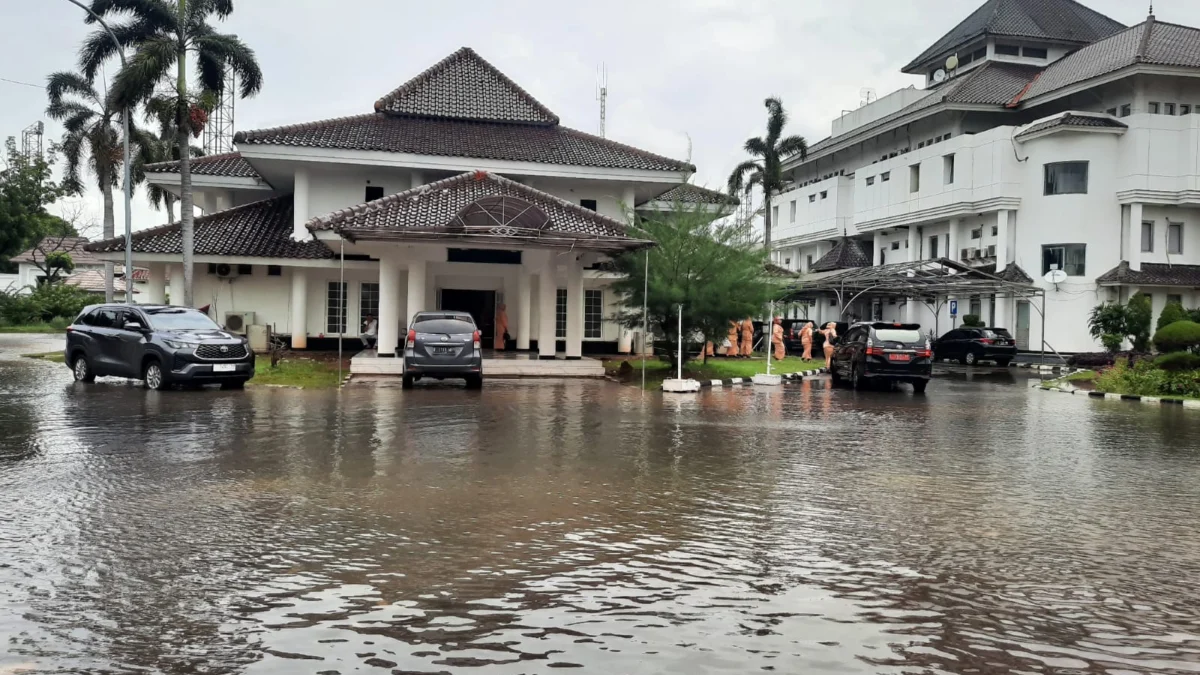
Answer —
(441, 345)
(972, 345)
(883, 352)
(158, 344)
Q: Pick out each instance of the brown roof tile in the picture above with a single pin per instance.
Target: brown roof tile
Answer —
(1152, 274)
(687, 193)
(227, 164)
(72, 246)
(1076, 121)
(845, 253)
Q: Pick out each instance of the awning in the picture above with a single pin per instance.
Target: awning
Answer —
(917, 279)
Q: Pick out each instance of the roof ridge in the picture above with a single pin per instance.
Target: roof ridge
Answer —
(635, 150)
(244, 136)
(203, 158)
(1144, 43)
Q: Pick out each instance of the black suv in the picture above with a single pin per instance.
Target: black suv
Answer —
(972, 345)
(158, 344)
(441, 345)
(883, 352)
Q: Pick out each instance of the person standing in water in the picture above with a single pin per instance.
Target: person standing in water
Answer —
(806, 336)
(830, 334)
(747, 337)
(777, 339)
(500, 340)
(732, 349)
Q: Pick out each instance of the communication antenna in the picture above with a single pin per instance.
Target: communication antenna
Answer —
(218, 131)
(867, 96)
(602, 95)
(31, 141)
(689, 137)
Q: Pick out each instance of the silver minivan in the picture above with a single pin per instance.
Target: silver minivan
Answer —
(441, 345)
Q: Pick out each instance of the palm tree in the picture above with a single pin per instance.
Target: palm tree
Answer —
(162, 34)
(92, 140)
(767, 171)
(160, 147)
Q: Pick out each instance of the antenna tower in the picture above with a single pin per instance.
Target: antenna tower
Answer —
(31, 141)
(218, 131)
(602, 96)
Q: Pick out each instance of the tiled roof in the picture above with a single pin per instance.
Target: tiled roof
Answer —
(451, 208)
(228, 164)
(72, 246)
(92, 281)
(1152, 274)
(466, 87)
(845, 253)
(1076, 121)
(1050, 20)
(1012, 272)
(259, 230)
(687, 193)
(457, 138)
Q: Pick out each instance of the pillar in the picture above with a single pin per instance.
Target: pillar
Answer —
(1001, 240)
(175, 272)
(416, 288)
(547, 300)
(952, 242)
(1134, 244)
(524, 308)
(389, 307)
(877, 254)
(224, 200)
(1004, 314)
(628, 201)
(299, 322)
(156, 285)
(417, 179)
(574, 308)
(914, 243)
(300, 206)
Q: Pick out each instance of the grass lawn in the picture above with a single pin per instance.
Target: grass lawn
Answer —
(297, 372)
(717, 368)
(56, 357)
(33, 328)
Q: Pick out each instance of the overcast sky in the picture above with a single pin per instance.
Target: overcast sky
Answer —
(676, 68)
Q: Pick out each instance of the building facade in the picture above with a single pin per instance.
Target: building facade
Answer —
(1046, 136)
(458, 191)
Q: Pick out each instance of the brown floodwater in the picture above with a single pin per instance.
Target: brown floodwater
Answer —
(540, 526)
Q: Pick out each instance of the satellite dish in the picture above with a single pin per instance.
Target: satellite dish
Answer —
(952, 62)
(939, 75)
(1055, 277)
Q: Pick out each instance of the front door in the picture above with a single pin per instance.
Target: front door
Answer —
(481, 305)
(1022, 324)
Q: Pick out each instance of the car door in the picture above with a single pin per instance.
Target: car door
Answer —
(107, 350)
(130, 345)
(948, 347)
(844, 352)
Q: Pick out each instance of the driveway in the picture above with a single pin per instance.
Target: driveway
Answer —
(12, 345)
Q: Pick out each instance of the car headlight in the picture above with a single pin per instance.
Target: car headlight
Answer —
(175, 344)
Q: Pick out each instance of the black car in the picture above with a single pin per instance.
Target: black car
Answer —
(883, 352)
(158, 344)
(972, 345)
(441, 345)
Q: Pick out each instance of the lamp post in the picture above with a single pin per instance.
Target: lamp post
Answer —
(126, 181)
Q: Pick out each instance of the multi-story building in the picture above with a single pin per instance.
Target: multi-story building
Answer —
(1045, 136)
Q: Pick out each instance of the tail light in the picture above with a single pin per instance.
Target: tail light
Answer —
(478, 337)
(926, 353)
(872, 350)
(412, 339)
(986, 341)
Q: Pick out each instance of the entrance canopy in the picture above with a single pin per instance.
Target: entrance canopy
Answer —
(917, 279)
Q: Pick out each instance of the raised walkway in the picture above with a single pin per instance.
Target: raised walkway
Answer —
(495, 364)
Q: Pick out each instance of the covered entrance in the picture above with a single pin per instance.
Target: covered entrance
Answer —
(481, 305)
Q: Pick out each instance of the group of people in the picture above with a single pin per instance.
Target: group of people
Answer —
(744, 346)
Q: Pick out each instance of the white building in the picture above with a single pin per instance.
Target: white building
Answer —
(457, 191)
(1046, 136)
(87, 274)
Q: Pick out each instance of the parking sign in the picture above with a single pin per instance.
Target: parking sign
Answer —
(953, 308)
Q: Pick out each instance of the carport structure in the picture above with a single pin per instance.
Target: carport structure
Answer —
(930, 282)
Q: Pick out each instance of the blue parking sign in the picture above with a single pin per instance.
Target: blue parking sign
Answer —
(953, 308)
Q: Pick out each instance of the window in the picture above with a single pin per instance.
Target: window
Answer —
(979, 53)
(975, 306)
(1174, 238)
(593, 314)
(1153, 108)
(833, 302)
(335, 303)
(1065, 178)
(274, 270)
(775, 214)
(590, 204)
(1033, 52)
(977, 233)
(560, 313)
(373, 192)
(824, 194)
(245, 269)
(1148, 236)
(1185, 109)
(448, 326)
(368, 300)
(812, 198)
(1069, 258)
(808, 263)
(885, 176)
(920, 145)
(995, 230)
(948, 168)
(933, 247)
(1126, 110)
(106, 318)
(895, 246)
(792, 213)
(212, 268)
(870, 180)
(1008, 50)
(914, 178)
(1168, 108)
(1176, 299)
(1111, 111)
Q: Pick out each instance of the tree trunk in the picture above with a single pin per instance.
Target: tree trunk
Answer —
(169, 201)
(767, 222)
(109, 232)
(186, 211)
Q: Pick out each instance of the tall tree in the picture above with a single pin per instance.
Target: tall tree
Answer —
(766, 171)
(91, 140)
(162, 34)
(160, 146)
(26, 188)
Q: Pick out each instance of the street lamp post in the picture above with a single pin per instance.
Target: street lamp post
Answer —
(125, 138)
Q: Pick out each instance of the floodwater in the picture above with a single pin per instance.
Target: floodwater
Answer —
(534, 527)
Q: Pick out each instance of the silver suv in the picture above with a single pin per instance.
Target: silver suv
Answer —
(441, 345)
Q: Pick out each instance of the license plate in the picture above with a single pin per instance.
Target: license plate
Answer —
(224, 367)
(443, 350)
(899, 357)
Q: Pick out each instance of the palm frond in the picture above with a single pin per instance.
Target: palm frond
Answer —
(756, 146)
(64, 83)
(793, 145)
(776, 120)
(72, 149)
(219, 50)
(150, 64)
(79, 122)
(161, 13)
(737, 178)
(198, 10)
(61, 110)
(755, 180)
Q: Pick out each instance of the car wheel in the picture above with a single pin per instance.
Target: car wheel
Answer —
(919, 386)
(970, 359)
(1003, 363)
(857, 380)
(236, 384)
(475, 382)
(834, 378)
(407, 382)
(153, 377)
(82, 370)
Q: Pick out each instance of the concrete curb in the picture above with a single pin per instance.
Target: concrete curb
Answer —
(789, 377)
(1163, 400)
(1044, 369)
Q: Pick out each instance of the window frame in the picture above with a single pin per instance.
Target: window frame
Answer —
(1169, 109)
(344, 316)
(1152, 107)
(792, 211)
(914, 179)
(369, 189)
(591, 295)
(593, 205)
(885, 176)
(934, 242)
(1185, 109)
(1050, 185)
(1008, 50)
(274, 270)
(1147, 236)
(948, 169)
(366, 301)
(1126, 110)
(870, 180)
(1080, 269)
(560, 314)
(1178, 248)
(1045, 54)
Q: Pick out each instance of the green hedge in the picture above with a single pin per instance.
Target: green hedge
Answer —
(1147, 379)
(1177, 362)
(45, 304)
(1172, 312)
(1178, 337)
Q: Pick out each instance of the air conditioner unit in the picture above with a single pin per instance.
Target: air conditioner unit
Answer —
(991, 251)
(965, 254)
(977, 253)
(260, 338)
(226, 271)
(238, 322)
(970, 253)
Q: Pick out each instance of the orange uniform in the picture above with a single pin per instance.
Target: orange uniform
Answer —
(732, 350)
(777, 340)
(501, 328)
(806, 340)
(747, 337)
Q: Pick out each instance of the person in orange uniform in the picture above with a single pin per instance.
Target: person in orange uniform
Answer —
(830, 334)
(709, 350)
(732, 350)
(777, 339)
(806, 340)
(747, 337)
(498, 342)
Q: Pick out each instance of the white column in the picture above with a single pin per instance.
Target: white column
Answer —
(952, 244)
(574, 308)
(628, 199)
(524, 308)
(1001, 239)
(417, 179)
(914, 243)
(547, 300)
(299, 308)
(389, 306)
(300, 206)
(224, 200)
(156, 285)
(877, 254)
(1135, 236)
(416, 288)
(176, 281)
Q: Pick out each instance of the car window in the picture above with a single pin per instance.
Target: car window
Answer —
(953, 335)
(898, 335)
(1000, 332)
(181, 319)
(450, 326)
(106, 317)
(87, 318)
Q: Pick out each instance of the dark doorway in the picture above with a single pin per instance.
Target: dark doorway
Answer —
(481, 305)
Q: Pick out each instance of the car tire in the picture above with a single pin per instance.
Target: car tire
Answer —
(857, 381)
(1003, 363)
(475, 382)
(406, 382)
(82, 369)
(236, 384)
(919, 386)
(834, 378)
(970, 359)
(153, 376)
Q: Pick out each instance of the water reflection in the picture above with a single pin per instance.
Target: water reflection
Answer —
(984, 527)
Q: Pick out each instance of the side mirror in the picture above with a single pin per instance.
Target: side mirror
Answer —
(134, 326)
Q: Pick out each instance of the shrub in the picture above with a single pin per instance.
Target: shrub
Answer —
(1177, 337)
(1107, 319)
(1145, 379)
(1171, 313)
(1176, 362)
(1092, 360)
(1112, 342)
(1193, 315)
(972, 320)
(44, 304)
(1138, 312)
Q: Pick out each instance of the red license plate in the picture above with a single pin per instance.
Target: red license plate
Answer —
(899, 357)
